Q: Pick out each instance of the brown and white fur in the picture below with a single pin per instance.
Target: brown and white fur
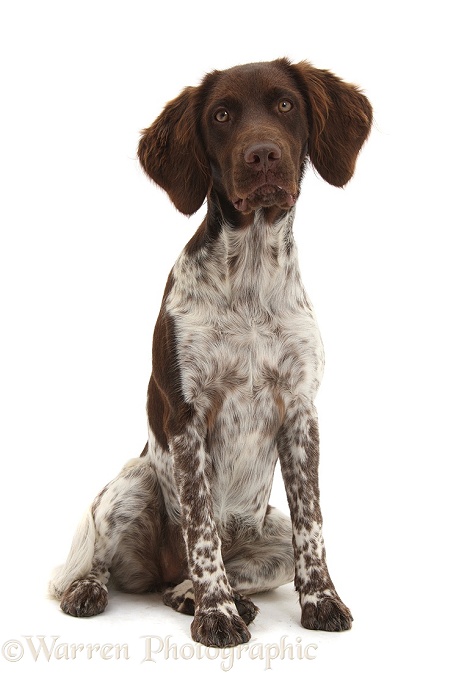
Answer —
(237, 361)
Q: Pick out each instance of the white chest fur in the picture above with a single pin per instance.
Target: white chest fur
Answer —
(247, 342)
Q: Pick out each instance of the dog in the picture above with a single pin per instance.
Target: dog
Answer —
(236, 363)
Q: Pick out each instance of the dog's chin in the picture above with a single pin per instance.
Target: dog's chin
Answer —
(265, 197)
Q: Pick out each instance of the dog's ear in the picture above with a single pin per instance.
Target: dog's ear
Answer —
(171, 153)
(340, 118)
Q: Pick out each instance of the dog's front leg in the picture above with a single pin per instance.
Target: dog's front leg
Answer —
(217, 621)
(298, 448)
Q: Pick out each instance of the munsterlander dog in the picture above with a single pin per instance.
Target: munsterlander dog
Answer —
(237, 360)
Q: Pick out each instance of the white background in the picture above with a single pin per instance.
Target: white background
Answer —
(87, 243)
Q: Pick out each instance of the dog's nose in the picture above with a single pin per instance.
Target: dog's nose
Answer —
(262, 156)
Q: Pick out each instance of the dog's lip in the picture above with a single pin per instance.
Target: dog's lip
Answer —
(267, 190)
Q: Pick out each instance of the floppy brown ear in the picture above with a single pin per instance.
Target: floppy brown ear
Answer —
(171, 153)
(340, 121)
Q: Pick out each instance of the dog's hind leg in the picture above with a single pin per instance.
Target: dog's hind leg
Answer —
(263, 562)
(80, 583)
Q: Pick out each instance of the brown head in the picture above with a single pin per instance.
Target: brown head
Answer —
(247, 132)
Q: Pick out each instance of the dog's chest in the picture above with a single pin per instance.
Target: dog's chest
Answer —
(246, 343)
(239, 375)
(243, 322)
(241, 353)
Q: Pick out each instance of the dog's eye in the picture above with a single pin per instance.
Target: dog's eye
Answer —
(285, 105)
(222, 115)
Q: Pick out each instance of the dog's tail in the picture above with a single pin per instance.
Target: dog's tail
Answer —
(79, 560)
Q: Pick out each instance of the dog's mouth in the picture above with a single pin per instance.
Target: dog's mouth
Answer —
(264, 196)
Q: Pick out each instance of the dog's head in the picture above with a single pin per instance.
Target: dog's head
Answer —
(247, 132)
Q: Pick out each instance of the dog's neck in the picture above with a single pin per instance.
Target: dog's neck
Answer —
(226, 264)
(258, 260)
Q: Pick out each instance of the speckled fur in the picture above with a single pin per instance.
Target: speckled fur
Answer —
(237, 361)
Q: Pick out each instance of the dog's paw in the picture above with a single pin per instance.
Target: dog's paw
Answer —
(245, 607)
(84, 598)
(181, 598)
(328, 614)
(214, 628)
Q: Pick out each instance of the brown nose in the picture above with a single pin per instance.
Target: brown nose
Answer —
(262, 156)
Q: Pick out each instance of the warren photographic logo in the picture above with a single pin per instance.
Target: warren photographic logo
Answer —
(155, 650)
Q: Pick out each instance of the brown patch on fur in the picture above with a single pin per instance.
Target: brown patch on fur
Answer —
(168, 413)
(173, 559)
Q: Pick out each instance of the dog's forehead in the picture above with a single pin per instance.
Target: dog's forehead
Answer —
(251, 78)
